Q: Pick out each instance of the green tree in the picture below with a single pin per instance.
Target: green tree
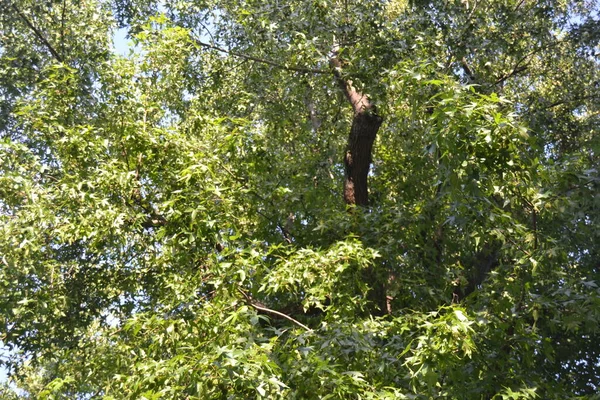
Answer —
(300, 199)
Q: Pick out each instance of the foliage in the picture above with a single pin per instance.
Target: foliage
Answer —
(173, 223)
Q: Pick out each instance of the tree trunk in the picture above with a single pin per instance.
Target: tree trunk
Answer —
(357, 160)
(365, 125)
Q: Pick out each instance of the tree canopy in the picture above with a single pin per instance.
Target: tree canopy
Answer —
(300, 199)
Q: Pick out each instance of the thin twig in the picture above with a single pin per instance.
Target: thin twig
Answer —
(518, 68)
(208, 31)
(573, 100)
(476, 3)
(519, 4)
(268, 310)
(262, 60)
(528, 254)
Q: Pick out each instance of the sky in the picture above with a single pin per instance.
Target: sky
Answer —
(3, 352)
(121, 43)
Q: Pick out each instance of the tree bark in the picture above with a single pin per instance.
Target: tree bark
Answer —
(357, 162)
(365, 125)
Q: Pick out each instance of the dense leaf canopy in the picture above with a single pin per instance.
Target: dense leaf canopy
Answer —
(300, 199)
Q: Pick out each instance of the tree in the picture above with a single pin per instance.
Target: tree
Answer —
(300, 199)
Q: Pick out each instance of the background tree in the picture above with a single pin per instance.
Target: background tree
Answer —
(346, 199)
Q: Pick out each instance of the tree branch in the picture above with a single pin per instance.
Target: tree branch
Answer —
(573, 100)
(262, 60)
(253, 304)
(514, 72)
(359, 101)
(468, 70)
(39, 34)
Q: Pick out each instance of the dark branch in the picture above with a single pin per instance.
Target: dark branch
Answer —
(360, 103)
(573, 100)
(468, 70)
(262, 308)
(154, 221)
(514, 72)
(262, 60)
(39, 34)
(519, 4)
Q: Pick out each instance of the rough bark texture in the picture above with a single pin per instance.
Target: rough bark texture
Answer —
(365, 125)
(357, 160)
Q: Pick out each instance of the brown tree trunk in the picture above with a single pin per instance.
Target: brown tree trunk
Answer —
(365, 125)
(357, 160)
